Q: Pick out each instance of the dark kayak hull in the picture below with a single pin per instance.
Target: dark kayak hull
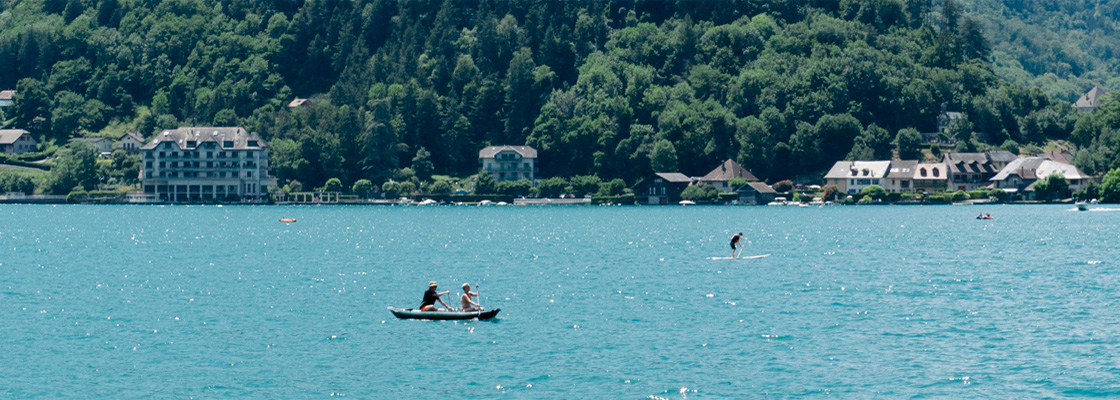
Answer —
(409, 313)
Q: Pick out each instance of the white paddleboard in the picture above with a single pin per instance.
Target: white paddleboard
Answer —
(740, 258)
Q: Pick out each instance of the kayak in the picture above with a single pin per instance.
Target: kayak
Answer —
(411, 313)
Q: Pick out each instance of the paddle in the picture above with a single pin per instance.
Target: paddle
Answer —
(479, 295)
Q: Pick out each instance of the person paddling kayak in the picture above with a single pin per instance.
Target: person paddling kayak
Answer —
(431, 297)
(469, 305)
(734, 241)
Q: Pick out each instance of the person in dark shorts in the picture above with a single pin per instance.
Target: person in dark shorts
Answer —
(431, 297)
(734, 242)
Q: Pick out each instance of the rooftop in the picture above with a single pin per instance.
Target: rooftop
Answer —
(728, 170)
(858, 169)
(491, 151)
(9, 136)
(227, 138)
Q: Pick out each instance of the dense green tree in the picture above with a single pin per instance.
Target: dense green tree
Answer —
(363, 188)
(1054, 186)
(663, 157)
(552, 187)
(75, 167)
(422, 165)
(485, 184)
(333, 185)
(908, 144)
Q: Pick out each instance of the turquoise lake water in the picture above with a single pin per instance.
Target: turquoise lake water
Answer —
(597, 302)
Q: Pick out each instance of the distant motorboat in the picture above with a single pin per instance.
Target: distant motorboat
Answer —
(1082, 206)
(427, 202)
(687, 203)
(485, 203)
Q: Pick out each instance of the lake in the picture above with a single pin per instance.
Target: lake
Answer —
(597, 302)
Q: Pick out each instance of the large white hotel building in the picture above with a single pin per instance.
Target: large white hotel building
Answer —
(201, 164)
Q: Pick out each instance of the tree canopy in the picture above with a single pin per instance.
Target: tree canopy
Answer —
(614, 89)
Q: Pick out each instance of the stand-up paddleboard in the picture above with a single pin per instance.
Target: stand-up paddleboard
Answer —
(740, 258)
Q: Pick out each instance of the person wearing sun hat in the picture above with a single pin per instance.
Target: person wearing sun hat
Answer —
(431, 297)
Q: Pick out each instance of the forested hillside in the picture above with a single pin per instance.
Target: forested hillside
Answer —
(1064, 47)
(611, 88)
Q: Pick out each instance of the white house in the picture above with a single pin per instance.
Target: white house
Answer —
(509, 163)
(1020, 175)
(854, 176)
(16, 141)
(205, 164)
(129, 142)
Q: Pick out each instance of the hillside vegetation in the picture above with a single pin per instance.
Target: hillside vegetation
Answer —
(1064, 47)
(609, 88)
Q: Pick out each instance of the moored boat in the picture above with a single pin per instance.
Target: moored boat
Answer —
(411, 313)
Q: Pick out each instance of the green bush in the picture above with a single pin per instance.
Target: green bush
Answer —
(978, 194)
(959, 196)
(866, 200)
(874, 191)
(703, 192)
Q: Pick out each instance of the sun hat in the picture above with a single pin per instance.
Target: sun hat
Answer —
(432, 284)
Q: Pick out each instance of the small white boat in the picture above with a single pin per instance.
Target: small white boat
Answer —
(687, 202)
(427, 202)
(1082, 206)
(486, 203)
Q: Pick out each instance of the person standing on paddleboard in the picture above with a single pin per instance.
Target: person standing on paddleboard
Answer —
(734, 242)
(431, 297)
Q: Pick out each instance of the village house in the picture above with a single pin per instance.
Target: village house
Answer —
(662, 188)
(900, 177)
(754, 193)
(930, 177)
(1021, 175)
(193, 164)
(104, 145)
(853, 176)
(1090, 101)
(16, 141)
(721, 176)
(509, 163)
(129, 142)
(970, 171)
(7, 98)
